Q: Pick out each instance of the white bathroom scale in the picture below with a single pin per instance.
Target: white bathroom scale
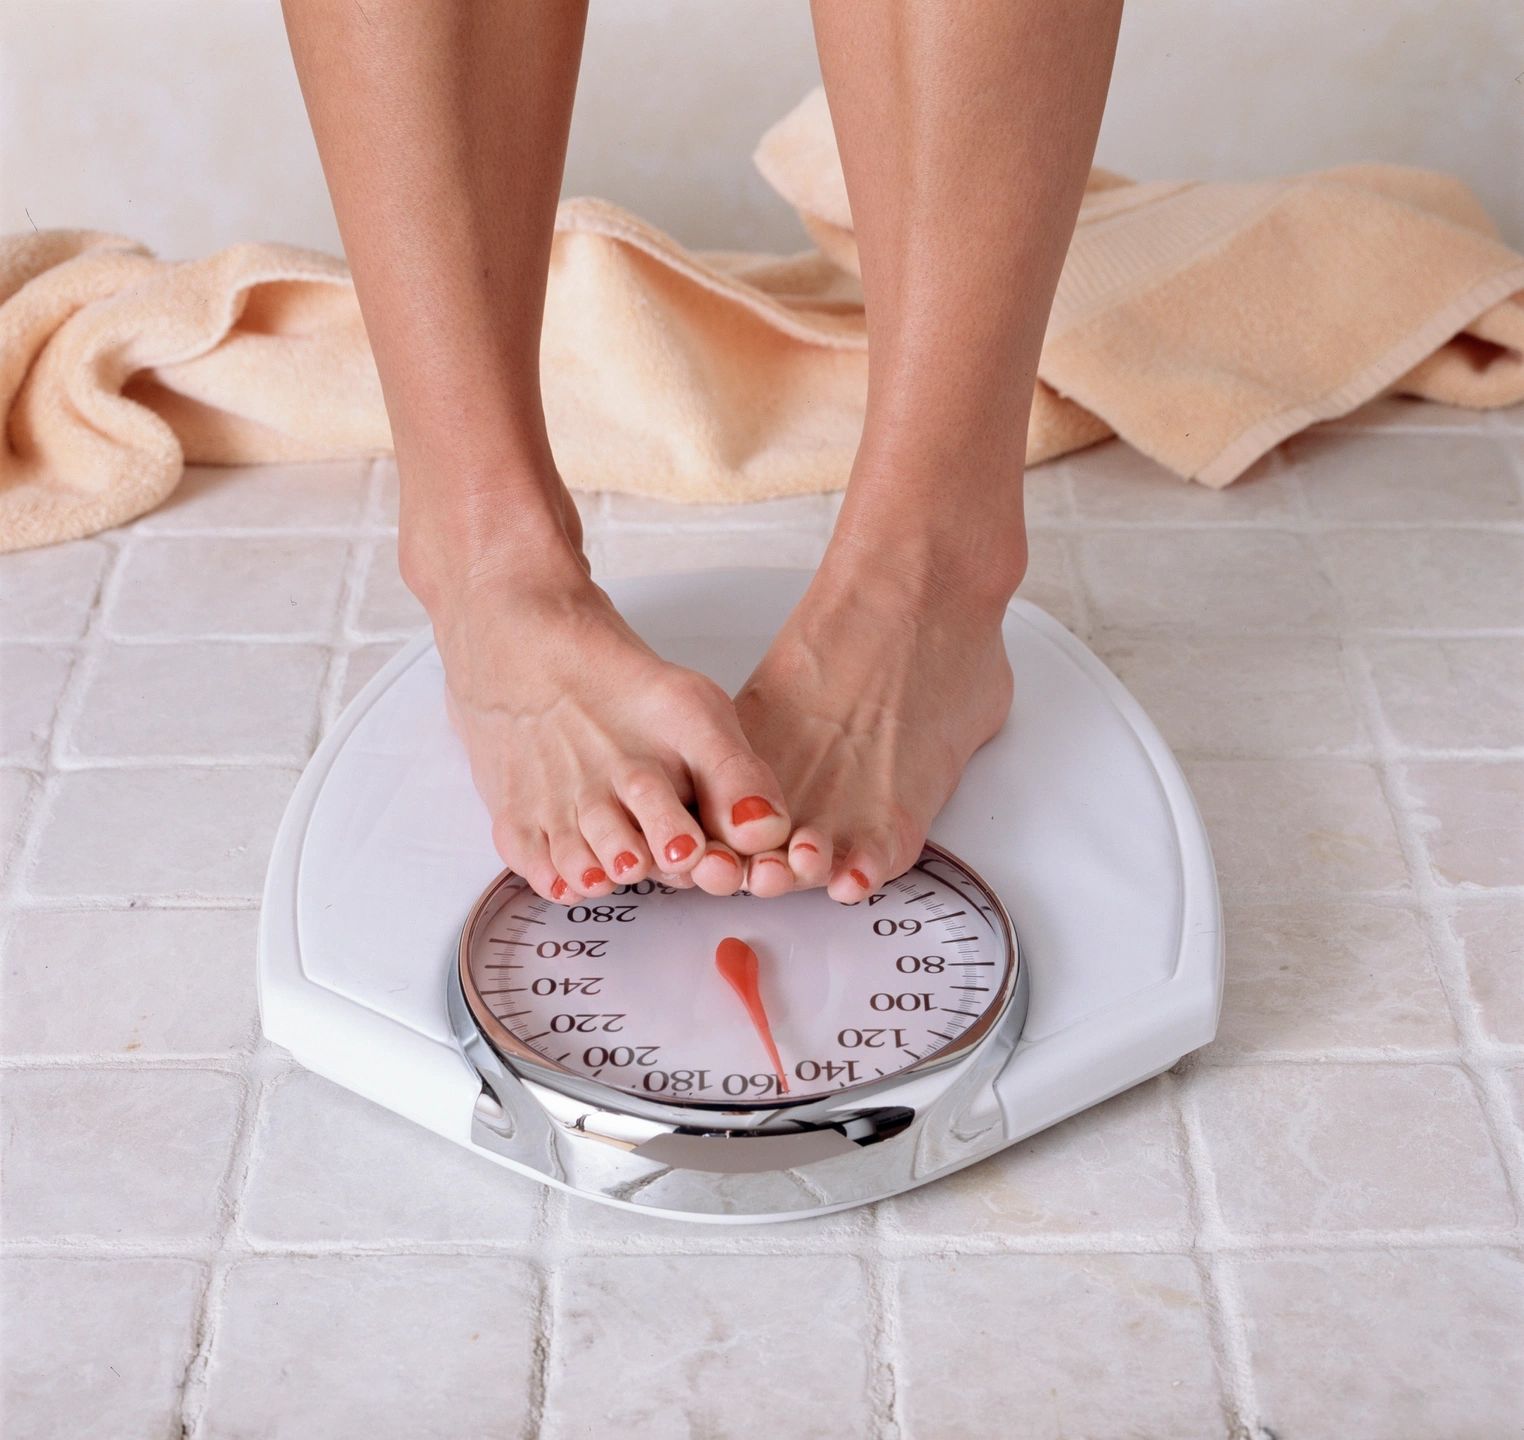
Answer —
(739, 1059)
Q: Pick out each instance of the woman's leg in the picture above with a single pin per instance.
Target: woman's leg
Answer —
(442, 130)
(966, 130)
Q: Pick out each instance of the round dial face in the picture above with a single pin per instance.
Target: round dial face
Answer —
(682, 997)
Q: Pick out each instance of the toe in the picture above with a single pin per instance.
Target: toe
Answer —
(854, 878)
(809, 856)
(768, 874)
(672, 835)
(719, 871)
(536, 866)
(872, 861)
(739, 798)
(525, 852)
(613, 838)
(577, 865)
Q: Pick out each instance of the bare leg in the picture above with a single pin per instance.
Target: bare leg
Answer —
(442, 129)
(966, 131)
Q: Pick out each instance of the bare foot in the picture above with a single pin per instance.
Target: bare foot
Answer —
(868, 705)
(588, 747)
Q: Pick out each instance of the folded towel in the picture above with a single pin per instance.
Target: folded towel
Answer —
(1202, 323)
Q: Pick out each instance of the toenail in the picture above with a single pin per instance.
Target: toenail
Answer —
(750, 807)
(722, 854)
(767, 860)
(680, 849)
(558, 889)
(624, 860)
(805, 845)
(861, 879)
(593, 876)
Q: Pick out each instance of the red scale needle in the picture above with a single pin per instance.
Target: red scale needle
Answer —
(737, 962)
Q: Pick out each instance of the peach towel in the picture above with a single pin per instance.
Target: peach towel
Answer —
(1201, 323)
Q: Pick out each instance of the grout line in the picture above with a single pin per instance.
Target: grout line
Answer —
(873, 1237)
(25, 850)
(1444, 949)
(543, 1330)
(705, 1241)
(1223, 1304)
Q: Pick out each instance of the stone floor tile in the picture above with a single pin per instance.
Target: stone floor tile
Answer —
(610, 512)
(1115, 484)
(18, 794)
(329, 1165)
(722, 1345)
(1052, 582)
(47, 594)
(180, 588)
(1515, 1080)
(1491, 936)
(1387, 1344)
(1278, 825)
(1427, 579)
(32, 679)
(1338, 1148)
(393, 1347)
(325, 493)
(387, 606)
(589, 1222)
(362, 663)
(1451, 694)
(1050, 1347)
(158, 982)
(202, 699)
(100, 1347)
(1245, 695)
(116, 1154)
(1220, 580)
(1471, 817)
(181, 831)
(621, 554)
(1312, 976)
(1115, 1169)
(1047, 497)
(1405, 477)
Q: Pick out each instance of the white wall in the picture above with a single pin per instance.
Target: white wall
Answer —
(179, 121)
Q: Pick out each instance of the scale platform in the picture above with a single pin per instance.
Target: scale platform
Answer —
(1076, 815)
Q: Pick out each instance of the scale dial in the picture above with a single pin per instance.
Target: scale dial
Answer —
(739, 1003)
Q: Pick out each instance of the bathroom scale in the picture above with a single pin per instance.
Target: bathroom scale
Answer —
(740, 1059)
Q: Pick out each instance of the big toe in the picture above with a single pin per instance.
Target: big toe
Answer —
(739, 799)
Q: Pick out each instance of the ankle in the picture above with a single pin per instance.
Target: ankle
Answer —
(921, 576)
(934, 550)
(475, 538)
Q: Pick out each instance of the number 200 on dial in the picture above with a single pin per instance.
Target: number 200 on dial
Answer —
(679, 996)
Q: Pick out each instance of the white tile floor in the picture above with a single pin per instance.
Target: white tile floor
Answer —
(1309, 1230)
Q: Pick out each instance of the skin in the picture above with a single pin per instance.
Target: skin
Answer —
(966, 130)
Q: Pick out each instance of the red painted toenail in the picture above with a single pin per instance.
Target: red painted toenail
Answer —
(721, 854)
(593, 876)
(624, 860)
(558, 889)
(861, 879)
(767, 860)
(805, 845)
(680, 849)
(752, 807)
